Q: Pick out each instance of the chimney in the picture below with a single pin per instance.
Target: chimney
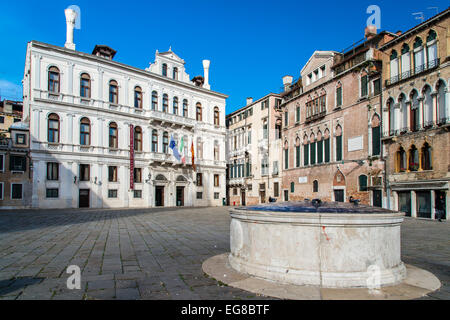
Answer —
(71, 15)
(399, 33)
(370, 32)
(249, 100)
(287, 81)
(206, 64)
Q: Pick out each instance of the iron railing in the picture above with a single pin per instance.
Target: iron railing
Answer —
(409, 73)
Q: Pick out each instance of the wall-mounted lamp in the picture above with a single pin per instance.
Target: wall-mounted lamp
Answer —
(75, 179)
(149, 177)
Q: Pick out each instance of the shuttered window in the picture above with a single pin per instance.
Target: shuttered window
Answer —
(327, 150)
(376, 140)
(306, 154)
(339, 148)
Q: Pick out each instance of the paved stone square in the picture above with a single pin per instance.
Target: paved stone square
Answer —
(153, 253)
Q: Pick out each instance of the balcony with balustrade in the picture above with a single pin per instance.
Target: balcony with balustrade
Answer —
(430, 65)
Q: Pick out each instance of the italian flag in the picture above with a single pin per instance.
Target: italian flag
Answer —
(183, 156)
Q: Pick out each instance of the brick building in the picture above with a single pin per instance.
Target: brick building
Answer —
(332, 126)
(416, 118)
(254, 151)
(10, 112)
(15, 175)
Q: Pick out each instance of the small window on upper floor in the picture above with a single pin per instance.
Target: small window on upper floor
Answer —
(164, 70)
(175, 73)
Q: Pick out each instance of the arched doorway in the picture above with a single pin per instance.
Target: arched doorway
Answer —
(160, 182)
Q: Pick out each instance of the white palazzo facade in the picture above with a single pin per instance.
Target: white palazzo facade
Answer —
(88, 112)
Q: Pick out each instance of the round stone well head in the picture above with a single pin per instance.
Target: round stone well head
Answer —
(327, 244)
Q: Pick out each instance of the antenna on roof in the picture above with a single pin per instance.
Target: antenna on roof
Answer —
(420, 16)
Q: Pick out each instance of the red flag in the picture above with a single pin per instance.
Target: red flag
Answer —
(193, 157)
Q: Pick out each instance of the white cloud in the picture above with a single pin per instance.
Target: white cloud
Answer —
(10, 90)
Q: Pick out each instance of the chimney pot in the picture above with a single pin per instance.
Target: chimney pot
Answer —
(206, 64)
(249, 100)
(370, 32)
(71, 15)
(287, 81)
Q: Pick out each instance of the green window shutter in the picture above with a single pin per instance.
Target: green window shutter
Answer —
(292, 187)
(327, 150)
(362, 183)
(339, 148)
(364, 86)
(376, 141)
(286, 158)
(297, 162)
(305, 154)
(339, 96)
(320, 151)
(286, 119)
(313, 153)
(297, 119)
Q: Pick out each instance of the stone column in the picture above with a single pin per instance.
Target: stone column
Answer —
(433, 205)
(421, 122)
(413, 204)
(75, 188)
(394, 204)
(408, 114)
(100, 86)
(37, 72)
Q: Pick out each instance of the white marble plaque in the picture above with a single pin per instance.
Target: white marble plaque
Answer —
(355, 143)
(302, 179)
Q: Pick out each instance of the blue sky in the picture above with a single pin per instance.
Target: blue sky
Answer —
(251, 44)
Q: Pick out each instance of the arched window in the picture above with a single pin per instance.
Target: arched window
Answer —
(419, 61)
(165, 103)
(286, 155)
(406, 61)
(441, 102)
(427, 107)
(305, 151)
(164, 70)
(85, 86)
(391, 112)
(175, 73)
(338, 143)
(154, 140)
(362, 181)
(154, 100)
(138, 97)
(413, 164)
(414, 115)
(138, 138)
(85, 132)
(113, 92)
(185, 108)
(404, 113)
(393, 66)
(175, 105)
(53, 128)
(113, 135)
(53, 80)
(312, 149)
(326, 143)
(165, 142)
(426, 161)
(376, 135)
(319, 147)
(198, 112)
(297, 152)
(216, 116)
(432, 49)
(401, 160)
(315, 186)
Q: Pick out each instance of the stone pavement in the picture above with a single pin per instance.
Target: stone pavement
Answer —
(154, 253)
